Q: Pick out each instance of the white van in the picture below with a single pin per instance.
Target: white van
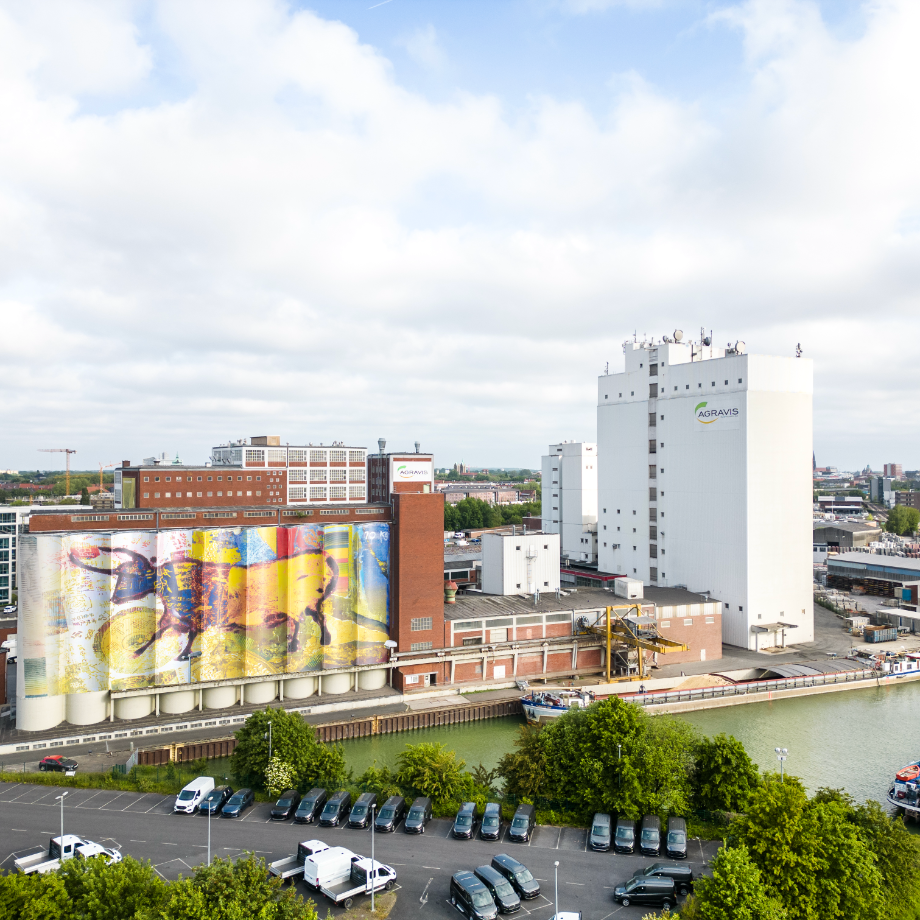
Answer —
(9, 646)
(328, 867)
(193, 794)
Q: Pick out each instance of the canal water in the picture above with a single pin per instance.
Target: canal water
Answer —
(854, 740)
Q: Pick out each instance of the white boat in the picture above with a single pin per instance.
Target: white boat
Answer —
(892, 665)
(905, 792)
(549, 703)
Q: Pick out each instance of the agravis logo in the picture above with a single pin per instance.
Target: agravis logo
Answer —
(405, 472)
(707, 416)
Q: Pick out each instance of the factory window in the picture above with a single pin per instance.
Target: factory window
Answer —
(199, 495)
(605, 544)
(653, 370)
(742, 609)
(726, 383)
(634, 549)
(688, 622)
(146, 479)
(652, 474)
(634, 529)
(156, 494)
(258, 478)
(606, 396)
(249, 478)
(210, 494)
(652, 447)
(661, 444)
(652, 551)
(640, 366)
(652, 494)
(146, 495)
(620, 395)
(156, 478)
(605, 526)
(710, 620)
(168, 495)
(318, 475)
(665, 624)
(210, 478)
(675, 389)
(219, 478)
(517, 547)
(713, 383)
(618, 529)
(652, 390)
(258, 493)
(169, 479)
(662, 469)
(337, 475)
(249, 494)
(653, 573)
(473, 640)
(337, 492)
(739, 380)
(199, 479)
(519, 584)
(687, 387)
(239, 494)
(420, 646)
(632, 392)
(699, 386)
(239, 478)
(220, 494)
(420, 624)
(652, 420)
(726, 607)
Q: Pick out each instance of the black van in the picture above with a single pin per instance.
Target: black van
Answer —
(471, 897)
(676, 843)
(522, 824)
(361, 812)
(650, 835)
(491, 827)
(419, 815)
(655, 892)
(466, 821)
(682, 876)
(599, 839)
(392, 812)
(624, 840)
(500, 888)
(519, 876)
(310, 806)
(336, 809)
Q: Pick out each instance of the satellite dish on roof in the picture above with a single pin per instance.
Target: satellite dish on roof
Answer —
(707, 341)
(739, 347)
(678, 334)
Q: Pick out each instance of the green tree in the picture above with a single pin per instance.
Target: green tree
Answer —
(381, 780)
(294, 741)
(724, 776)
(524, 769)
(432, 770)
(35, 897)
(279, 777)
(121, 891)
(228, 890)
(664, 760)
(735, 891)
(591, 758)
(84, 496)
(902, 520)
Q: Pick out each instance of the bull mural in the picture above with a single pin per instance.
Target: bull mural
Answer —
(144, 609)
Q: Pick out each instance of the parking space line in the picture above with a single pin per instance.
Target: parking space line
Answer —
(156, 804)
(117, 797)
(45, 796)
(81, 804)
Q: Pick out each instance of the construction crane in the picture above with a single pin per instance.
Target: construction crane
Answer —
(629, 632)
(60, 450)
(101, 468)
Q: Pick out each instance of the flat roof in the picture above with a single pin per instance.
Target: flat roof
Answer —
(673, 597)
(877, 561)
(475, 606)
(851, 526)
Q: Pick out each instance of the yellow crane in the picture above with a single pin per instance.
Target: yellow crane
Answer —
(60, 450)
(101, 468)
(636, 632)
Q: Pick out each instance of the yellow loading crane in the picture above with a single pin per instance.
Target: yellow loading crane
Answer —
(60, 450)
(629, 632)
(101, 468)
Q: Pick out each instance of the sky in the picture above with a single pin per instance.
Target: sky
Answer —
(440, 221)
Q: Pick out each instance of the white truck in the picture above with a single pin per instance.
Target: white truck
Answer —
(328, 867)
(292, 866)
(61, 848)
(9, 645)
(366, 875)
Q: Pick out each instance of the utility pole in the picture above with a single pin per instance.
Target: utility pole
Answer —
(60, 450)
(373, 869)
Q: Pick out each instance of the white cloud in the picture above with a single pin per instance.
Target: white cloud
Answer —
(424, 47)
(303, 246)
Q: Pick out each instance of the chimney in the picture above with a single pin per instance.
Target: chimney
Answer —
(382, 444)
(126, 463)
(417, 446)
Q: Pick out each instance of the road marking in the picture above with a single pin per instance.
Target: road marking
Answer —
(21, 830)
(166, 843)
(576, 883)
(424, 898)
(137, 841)
(429, 867)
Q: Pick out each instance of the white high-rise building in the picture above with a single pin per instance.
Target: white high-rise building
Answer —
(569, 505)
(705, 463)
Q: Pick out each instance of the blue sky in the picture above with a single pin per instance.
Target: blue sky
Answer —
(439, 221)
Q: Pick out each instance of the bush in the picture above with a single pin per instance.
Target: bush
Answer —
(430, 769)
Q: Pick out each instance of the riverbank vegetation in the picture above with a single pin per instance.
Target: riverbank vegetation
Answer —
(88, 889)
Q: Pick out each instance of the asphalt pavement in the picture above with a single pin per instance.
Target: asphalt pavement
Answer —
(144, 826)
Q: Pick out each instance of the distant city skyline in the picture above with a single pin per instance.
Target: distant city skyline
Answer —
(439, 222)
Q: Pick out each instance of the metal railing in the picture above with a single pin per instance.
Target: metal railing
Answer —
(660, 697)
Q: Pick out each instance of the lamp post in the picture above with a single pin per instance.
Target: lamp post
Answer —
(60, 798)
(269, 736)
(781, 757)
(619, 773)
(556, 873)
(373, 869)
(210, 812)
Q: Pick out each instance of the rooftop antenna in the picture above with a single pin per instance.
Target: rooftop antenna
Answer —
(798, 350)
(607, 369)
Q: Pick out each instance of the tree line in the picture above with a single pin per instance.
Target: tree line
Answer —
(475, 514)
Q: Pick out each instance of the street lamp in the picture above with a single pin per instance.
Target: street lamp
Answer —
(210, 812)
(556, 872)
(781, 757)
(60, 798)
(268, 735)
(373, 869)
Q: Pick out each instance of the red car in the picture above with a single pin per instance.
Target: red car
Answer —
(57, 763)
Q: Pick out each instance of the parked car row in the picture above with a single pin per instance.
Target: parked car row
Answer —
(625, 837)
(658, 885)
(488, 890)
(203, 797)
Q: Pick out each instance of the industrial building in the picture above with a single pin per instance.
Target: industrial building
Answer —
(705, 481)
(570, 499)
(838, 535)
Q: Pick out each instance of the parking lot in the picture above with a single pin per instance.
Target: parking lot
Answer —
(145, 827)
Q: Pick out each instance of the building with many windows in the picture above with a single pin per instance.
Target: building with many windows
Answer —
(569, 504)
(705, 481)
